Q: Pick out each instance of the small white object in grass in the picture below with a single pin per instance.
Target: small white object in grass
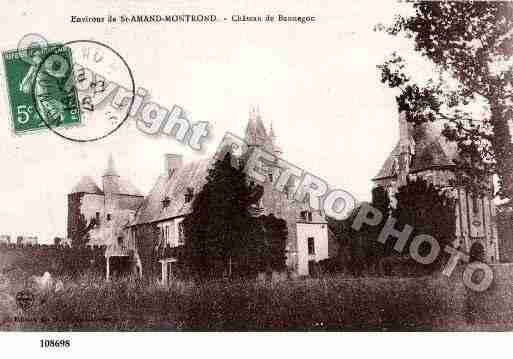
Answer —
(44, 282)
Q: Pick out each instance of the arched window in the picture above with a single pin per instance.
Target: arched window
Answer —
(477, 252)
(475, 204)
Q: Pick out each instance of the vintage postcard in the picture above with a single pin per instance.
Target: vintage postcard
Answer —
(185, 166)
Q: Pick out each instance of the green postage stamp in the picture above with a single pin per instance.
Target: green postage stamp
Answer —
(41, 77)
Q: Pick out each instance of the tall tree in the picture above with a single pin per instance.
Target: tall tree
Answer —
(428, 209)
(381, 200)
(220, 223)
(80, 234)
(272, 249)
(264, 247)
(150, 247)
(359, 248)
(471, 45)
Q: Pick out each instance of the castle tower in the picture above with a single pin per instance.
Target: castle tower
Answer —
(422, 150)
(111, 186)
(273, 201)
(256, 135)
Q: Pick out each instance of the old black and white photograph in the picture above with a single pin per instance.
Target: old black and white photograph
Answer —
(240, 168)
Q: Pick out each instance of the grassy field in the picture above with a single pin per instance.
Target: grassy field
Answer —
(330, 303)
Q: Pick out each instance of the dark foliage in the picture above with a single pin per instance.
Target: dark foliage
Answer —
(222, 237)
(78, 228)
(149, 247)
(420, 205)
(429, 211)
(359, 251)
(61, 261)
(274, 241)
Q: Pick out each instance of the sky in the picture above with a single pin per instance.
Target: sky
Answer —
(317, 83)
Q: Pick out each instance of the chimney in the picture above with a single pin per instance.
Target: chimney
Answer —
(172, 163)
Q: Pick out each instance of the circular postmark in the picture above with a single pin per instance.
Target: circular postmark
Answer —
(25, 299)
(84, 78)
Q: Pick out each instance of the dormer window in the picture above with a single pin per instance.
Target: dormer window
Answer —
(306, 216)
(189, 194)
(166, 202)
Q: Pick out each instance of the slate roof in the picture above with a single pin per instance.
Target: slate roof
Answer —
(387, 170)
(190, 175)
(432, 150)
(86, 185)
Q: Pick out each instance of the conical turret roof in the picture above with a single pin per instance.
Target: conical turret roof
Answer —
(86, 185)
(255, 130)
(111, 169)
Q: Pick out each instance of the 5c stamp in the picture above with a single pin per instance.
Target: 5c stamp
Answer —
(57, 98)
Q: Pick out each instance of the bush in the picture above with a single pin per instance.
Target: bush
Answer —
(330, 265)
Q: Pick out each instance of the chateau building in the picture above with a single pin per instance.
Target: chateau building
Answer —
(309, 239)
(114, 213)
(98, 216)
(423, 151)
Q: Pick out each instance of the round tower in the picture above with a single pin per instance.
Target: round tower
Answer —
(110, 181)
